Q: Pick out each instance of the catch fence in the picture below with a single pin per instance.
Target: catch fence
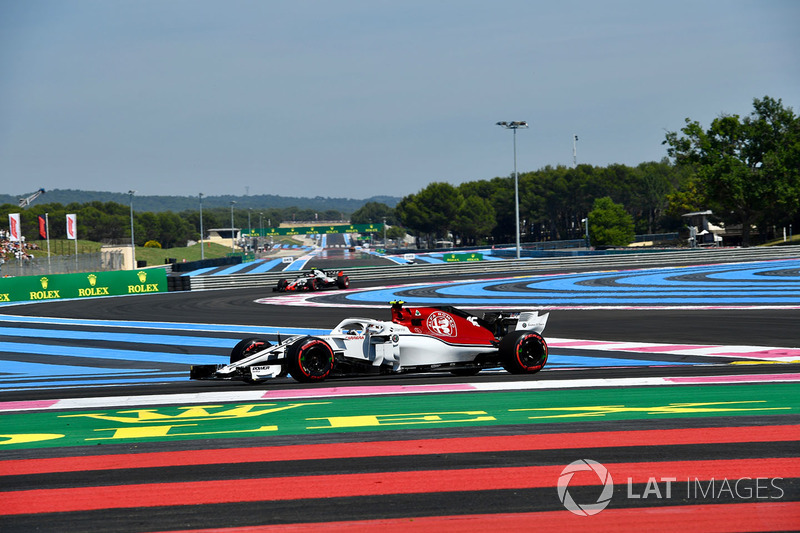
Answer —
(63, 264)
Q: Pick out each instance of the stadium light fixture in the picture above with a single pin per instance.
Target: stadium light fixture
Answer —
(514, 126)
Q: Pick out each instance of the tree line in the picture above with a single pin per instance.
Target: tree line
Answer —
(110, 222)
(746, 170)
(553, 203)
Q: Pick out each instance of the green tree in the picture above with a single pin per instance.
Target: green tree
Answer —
(747, 169)
(474, 219)
(610, 224)
(432, 211)
(396, 233)
(373, 213)
(654, 182)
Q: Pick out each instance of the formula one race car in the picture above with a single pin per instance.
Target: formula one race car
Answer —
(417, 339)
(314, 281)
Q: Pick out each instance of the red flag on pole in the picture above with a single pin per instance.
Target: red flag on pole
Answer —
(42, 227)
(14, 232)
(72, 227)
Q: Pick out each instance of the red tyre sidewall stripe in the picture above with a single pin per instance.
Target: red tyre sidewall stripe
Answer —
(303, 350)
(519, 345)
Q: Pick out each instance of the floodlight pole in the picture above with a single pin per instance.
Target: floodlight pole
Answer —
(202, 245)
(574, 151)
(133, 243)
(233, 248)
(514, 126)
(586, 221)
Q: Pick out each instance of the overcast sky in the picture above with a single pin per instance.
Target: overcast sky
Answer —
(345, 98)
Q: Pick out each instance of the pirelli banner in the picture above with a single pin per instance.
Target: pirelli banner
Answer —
(85, 285)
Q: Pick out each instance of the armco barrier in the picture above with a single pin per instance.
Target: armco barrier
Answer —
(84, 285)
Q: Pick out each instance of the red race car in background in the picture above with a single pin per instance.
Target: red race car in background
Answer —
(313, 281)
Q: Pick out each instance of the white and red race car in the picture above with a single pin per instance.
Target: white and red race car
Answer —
(314, 280)
(417, 339)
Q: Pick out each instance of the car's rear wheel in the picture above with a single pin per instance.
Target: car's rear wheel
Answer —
(342, 282)
(523, 352)
(310, 359)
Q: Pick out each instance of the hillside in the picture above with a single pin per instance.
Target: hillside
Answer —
(157, 204)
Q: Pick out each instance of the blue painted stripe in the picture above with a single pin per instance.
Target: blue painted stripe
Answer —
(297, 264)
(137, 338)
(106, 353)
(565, 361)
(177, 326)
(199, 271)
(233, 269)
(429, 259)
(645, 287)
(96, 383)
(266, 266)
(17, 370)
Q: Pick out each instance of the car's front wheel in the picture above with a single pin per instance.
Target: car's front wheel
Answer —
(523, 352)
(247, 347)
(309, 360)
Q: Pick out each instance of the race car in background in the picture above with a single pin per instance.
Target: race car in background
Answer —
(417, 339)
(313, 281)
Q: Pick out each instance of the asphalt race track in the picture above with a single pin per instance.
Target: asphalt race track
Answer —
(671, 400)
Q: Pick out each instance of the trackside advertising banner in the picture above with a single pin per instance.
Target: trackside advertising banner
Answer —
(84, 285)
(319, 230)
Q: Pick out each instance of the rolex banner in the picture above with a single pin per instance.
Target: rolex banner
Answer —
(318, 230)
(14, 231)
(72, 227)
(84, 285)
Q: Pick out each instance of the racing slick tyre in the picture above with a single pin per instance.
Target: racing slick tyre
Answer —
(342, 281)
(282, 284)
(312, 284)
(248, 347)
(309, 359)
(523, 352)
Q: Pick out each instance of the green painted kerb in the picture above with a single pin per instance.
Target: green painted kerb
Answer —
(123, 426)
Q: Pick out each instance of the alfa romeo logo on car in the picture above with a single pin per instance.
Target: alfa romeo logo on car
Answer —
(442, 324)
(585, 509)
